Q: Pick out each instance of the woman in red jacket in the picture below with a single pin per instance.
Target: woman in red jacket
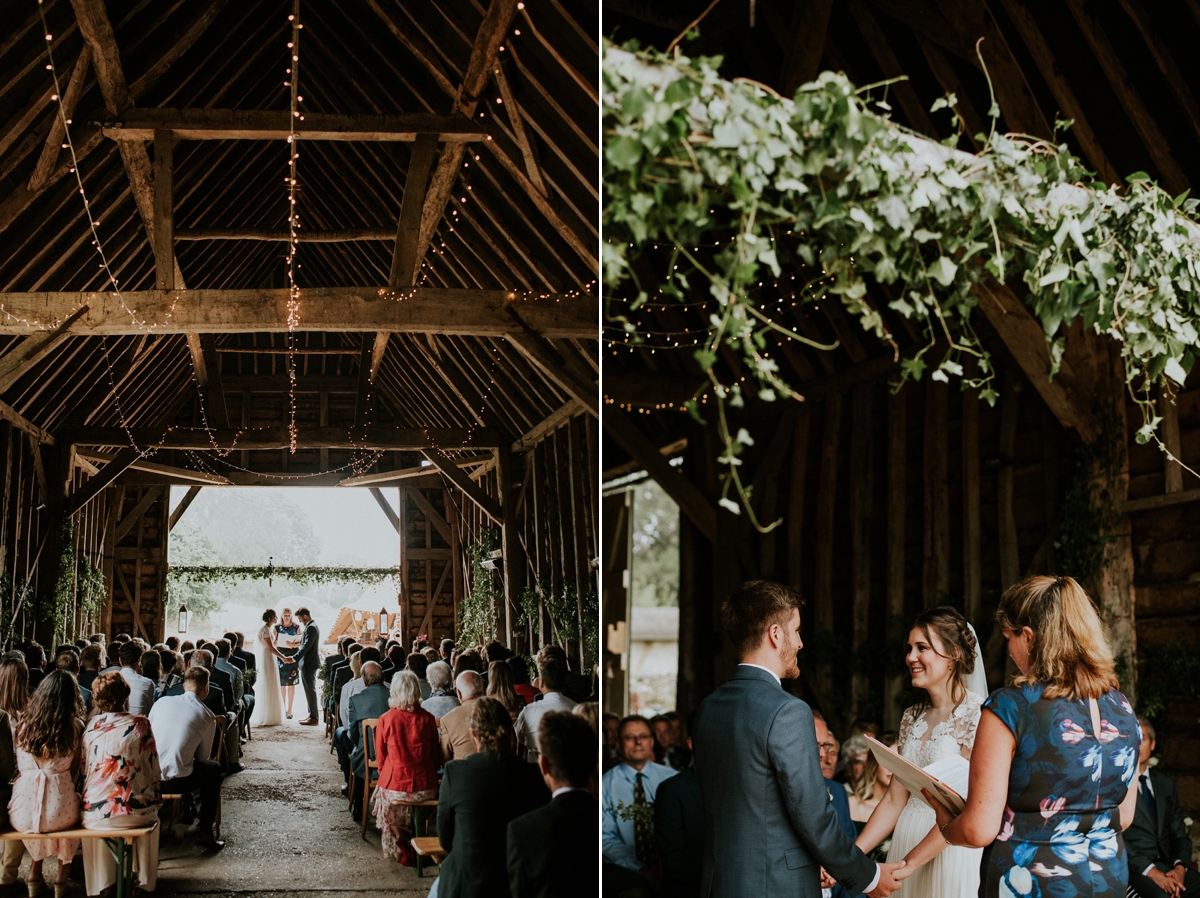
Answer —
(407, 748)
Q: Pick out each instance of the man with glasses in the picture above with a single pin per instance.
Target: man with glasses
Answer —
(827, 747)
(631, 864)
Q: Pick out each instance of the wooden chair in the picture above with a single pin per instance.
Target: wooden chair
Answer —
(332, 730)
(370, 762)
(418, 808)
(219, 749)
(428, 847)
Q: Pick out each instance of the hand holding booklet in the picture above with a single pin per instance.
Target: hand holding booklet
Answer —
(946, 778)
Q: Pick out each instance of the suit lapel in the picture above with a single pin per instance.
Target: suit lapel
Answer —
(1160, 804)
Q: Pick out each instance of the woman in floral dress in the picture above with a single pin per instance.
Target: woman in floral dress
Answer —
(121, 787)
(48, 762)
(287, 631)
(1053, 774)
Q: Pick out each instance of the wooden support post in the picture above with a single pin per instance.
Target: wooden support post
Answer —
(896, 507)
(514, 556)
(1010, 407)
(164, 210)
(116, 501)
(1173, 470)
(826, 508)
(936, 573)
(972, 541)
(861, 494)
(215, 408)
(406, 609)
(51, 521)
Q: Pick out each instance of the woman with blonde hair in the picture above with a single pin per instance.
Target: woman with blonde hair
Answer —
(500, 687)
(49, 741)
(870, 787)
(1053, 776)
(408, 752)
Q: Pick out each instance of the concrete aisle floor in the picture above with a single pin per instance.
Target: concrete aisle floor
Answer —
(287, 831)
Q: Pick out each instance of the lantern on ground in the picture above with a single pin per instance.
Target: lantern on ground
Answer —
(183, 619)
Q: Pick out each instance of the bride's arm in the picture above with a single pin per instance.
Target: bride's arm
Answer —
(883, 818)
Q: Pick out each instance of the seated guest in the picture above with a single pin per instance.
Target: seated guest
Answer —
(121, 785)
(89, 664)
(151, 668)
(35, 658)
(239, 653)
(342, 675)
(141, 689)
(48, 742)
(608, 754)
(441, 690)
(456, 723)
(480, 796)
(1157, 842)
(871, 785)
(628, 848)
(838, 796)
(853, 759)
(576, 687)
(335, 659)
(547, 848)
(467, 660)
(552, 676)
(500, 687)
(590, 711)
(215, 701)
(406, 747)
(447, 649)
(418, 663)
(431, 654)
(221, 662)
(69, 662)
(371, 702)
(352, 687)
(173, 643)
(495, 651)
(183, 733)
(170, 670)
(14, 695)
(395, 662)
(679, 832)
(520, 672)
(237, 662)
(113, 656)
(829, 759)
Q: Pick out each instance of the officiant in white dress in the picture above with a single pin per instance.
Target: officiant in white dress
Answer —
(268, 709)
(943, 660)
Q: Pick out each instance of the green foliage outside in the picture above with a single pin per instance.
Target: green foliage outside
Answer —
(827, 187)
(655, 571)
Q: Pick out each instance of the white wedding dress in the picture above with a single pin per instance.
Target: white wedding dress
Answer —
(268, 703)
(955, 871)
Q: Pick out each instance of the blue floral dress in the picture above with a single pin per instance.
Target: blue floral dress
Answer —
(1061, 832)
(289, 671)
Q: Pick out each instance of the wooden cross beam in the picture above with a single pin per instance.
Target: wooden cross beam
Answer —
(470, 488)
(150, 467)
(344, 235)
(374, 438)
(33, 349)
(386, 506)
(553, 366)
(94, 486)
(478, 313)
(254, 124)
(184, 503)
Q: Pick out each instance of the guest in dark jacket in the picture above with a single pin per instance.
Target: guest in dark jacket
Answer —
(679, 831)
(1157, 842)
(552, 851)
(479, 796)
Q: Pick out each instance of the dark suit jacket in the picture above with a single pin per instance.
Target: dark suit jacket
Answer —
(215, 701)
(1164, 839)
(223, 681)
(552, 851)
(247, 663)
(768, 823)
(310, 644)
(479, 796)
(679, 831)
(341, 676)
(841, 806)
(371, 702)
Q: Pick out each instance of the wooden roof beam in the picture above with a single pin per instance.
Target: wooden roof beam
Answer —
(344, 235)
(188, 498)
(478, 313)
(469, 487)
(255, 124)
(548, 425)
(33, 349)
(149, 467)
(554, 367)
(95, 485)
(373, 437)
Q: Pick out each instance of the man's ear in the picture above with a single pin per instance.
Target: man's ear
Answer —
(543, 765)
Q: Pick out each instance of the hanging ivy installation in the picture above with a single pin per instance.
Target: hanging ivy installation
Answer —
(736, 182)
(476, 614)
(303, 576)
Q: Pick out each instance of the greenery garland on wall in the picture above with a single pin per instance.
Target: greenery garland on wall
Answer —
(302, 576)
(692, 160)
(79, 588)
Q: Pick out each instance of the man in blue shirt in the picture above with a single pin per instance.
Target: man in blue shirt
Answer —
(628, 791)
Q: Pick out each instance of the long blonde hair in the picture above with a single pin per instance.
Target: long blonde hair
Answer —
(865, 787)
(1070, 655)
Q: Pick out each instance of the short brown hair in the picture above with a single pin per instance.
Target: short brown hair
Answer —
(110, 692)
(570, 746)
(753, 608)
(1070, 655)
(198, 676)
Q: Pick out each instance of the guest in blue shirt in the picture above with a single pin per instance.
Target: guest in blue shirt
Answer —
(628, 834)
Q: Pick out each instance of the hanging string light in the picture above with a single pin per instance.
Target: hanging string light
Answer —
(293, 306)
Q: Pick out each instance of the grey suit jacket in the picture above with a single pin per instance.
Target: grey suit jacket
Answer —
(307, 653)
(768, 822)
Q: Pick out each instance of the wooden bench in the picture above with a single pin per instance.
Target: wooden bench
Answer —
(119, 841)
(428, 847)
(418, 808)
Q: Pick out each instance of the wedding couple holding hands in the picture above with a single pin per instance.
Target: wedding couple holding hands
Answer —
(301, 654)
(1053, 761)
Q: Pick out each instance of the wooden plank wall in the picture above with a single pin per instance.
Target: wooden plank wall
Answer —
(556, 491)
(429, 590)
(139, 538)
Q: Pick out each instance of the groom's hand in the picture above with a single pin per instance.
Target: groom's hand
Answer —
(891, 876)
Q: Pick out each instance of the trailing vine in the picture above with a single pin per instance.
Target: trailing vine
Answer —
(738, 182)
(79, 587)
(476, 614)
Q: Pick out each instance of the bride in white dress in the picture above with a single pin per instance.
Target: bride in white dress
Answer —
(268, 707)
(943, 659)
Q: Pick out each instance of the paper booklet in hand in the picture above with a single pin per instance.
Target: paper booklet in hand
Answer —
(946, 778)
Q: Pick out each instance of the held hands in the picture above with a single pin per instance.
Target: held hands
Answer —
(827, 881)
(891, 876)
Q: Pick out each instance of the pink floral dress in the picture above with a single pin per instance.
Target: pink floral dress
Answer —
(44, 800)
(121, 775)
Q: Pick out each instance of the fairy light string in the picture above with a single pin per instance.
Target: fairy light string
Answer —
(293, 305)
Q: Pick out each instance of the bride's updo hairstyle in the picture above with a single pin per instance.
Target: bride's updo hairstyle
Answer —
(1069, 655)
(269, 615)
(958, 647)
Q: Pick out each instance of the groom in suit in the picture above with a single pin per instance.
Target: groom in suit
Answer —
(309, 660)
(769, 826)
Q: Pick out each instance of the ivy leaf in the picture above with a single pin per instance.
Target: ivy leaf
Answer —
(943, 271)
(1060, 272)
(730, 505)
(623, 152)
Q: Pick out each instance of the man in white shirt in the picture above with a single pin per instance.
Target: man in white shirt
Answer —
(552, 677)
(141, 689)
(183, 731)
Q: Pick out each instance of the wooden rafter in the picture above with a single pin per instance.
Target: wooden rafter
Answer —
(149, 467)
(469, 487)
(95, 485)
(262, 124)
(418, 310)
(33, 349)
(377, 437)
(53, 146)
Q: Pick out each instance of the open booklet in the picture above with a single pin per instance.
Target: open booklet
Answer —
(946, 778)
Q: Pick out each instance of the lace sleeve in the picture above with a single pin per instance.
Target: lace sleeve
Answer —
(906, 725)
(966, 720)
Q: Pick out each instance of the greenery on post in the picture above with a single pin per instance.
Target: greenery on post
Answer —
(828, 186)
(484, 595)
